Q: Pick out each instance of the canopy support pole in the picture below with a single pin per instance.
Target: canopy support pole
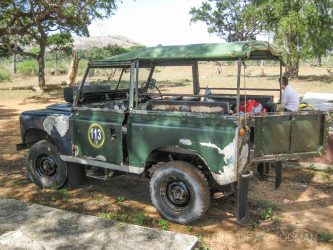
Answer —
(280, 81)
(239, 65)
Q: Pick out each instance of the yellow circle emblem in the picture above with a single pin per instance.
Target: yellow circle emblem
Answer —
(96, 135)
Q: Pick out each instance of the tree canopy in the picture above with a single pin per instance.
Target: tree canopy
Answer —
(303, 28)
(226, 18)
(33, 21)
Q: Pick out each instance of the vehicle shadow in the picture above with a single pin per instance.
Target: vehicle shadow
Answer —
(6, 113)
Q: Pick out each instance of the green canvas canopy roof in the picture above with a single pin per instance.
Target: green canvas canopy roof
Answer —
(256, 50)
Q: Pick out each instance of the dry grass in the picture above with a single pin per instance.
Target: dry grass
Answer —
(178, 79)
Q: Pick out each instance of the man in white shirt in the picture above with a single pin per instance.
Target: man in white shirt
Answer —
(290, 98)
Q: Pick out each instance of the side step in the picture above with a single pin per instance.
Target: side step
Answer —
(97, 173)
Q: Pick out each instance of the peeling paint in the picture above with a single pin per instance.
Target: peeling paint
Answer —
(100, 158)
(59, 122)
(211, 145)
(226, 177)
(228, 151)
(25, 117)
(186, 142)
(97, 158)
(229, 173)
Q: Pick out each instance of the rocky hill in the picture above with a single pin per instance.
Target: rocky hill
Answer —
(102, 41)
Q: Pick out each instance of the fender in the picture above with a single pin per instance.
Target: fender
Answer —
(46, 124)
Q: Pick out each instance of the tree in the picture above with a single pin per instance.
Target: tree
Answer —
(319, 20)
(34, 20)
(226, 19)
(60, 44)
(302, 27)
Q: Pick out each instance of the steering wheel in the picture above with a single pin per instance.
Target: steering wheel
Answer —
(149, 85)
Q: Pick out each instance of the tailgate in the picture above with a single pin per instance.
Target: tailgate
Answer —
(290, 136)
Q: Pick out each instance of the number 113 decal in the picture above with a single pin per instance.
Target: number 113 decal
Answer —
(96, 135)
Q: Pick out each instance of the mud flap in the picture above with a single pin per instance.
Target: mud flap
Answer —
(278, 174)
(76, 174)
(243, 189)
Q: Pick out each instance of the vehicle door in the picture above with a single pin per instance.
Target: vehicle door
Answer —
(98, 118)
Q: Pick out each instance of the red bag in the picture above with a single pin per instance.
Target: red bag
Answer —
(252, 106)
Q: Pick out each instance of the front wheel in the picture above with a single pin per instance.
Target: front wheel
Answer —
(180, 192)
(45, 167)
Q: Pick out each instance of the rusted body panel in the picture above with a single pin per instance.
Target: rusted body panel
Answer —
(52, 123)
(213, 138)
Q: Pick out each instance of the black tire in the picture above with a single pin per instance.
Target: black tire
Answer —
(180, 192)
(45, 167)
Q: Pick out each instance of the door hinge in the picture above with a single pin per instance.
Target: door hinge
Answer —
(75, 150)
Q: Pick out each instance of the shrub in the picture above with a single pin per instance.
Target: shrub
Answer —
(27, 67)
(325, 236)
(4, 74)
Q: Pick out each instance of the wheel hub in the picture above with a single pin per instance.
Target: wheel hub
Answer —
(46, 166)
(178, 193)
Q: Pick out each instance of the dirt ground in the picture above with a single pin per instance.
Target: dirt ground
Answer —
(298, 215)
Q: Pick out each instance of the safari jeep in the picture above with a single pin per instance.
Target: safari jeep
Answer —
(124, 118)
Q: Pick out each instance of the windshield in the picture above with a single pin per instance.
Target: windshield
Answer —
(101, 79)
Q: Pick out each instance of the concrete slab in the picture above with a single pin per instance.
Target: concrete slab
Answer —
(37, 227)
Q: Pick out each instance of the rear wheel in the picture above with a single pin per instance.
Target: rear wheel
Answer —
(180, 192)
(45, 167)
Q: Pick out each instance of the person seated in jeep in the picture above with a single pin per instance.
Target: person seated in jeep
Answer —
(290, 98)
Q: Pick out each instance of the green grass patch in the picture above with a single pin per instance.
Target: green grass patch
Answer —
(325, 236)
(28, 67)
(106, 215)
(164, 224)
(5, 75)
(325, 175)
(63, 66)
(266, 214)
(60, 194)
(276, 219)
(202, 243)
(263, 204)
(121, 199)
(266, 208)
(139, 219)
(189, 228)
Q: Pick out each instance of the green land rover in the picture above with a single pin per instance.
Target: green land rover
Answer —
(190, 143)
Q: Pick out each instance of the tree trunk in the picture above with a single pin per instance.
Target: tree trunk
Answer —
(292, 67)
(56, 64)
(73, 69)
(319, 60)
(14, 63)
(41, 63)
(14, 59)
(292, 71)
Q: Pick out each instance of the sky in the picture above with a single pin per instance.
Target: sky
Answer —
(149, 22)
